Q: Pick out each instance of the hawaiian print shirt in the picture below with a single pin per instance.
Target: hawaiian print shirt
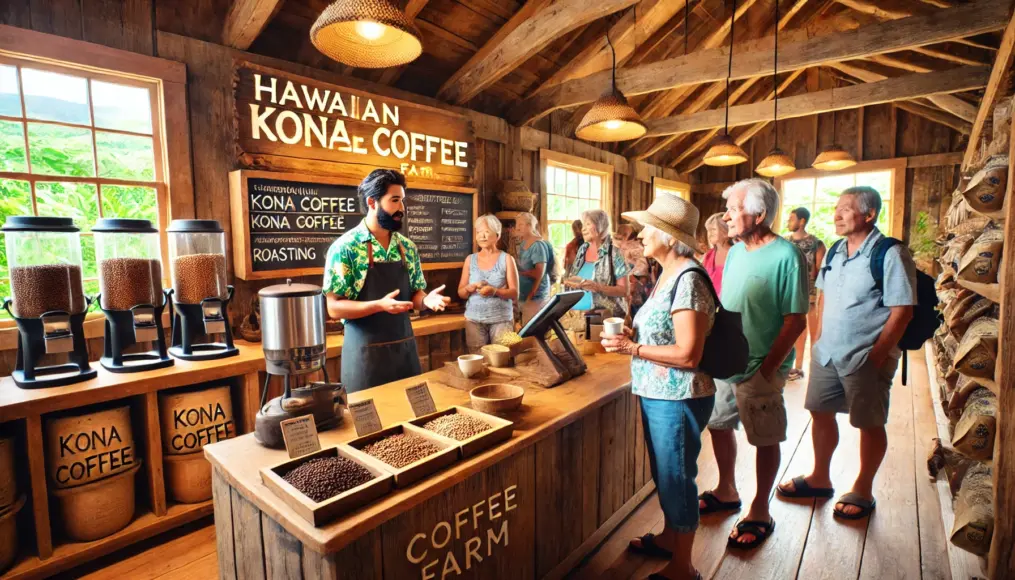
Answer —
(809, 246)
(345, 269)
(653, 325)
(615, 305)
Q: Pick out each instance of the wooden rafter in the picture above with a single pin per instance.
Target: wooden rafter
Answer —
(944, 55)
(878, 9)
(851, 97)
(936, 115)
(635, 26)
(524, 35)
(245, 21)
(1001, 69)
(709, 65)
(949, 103)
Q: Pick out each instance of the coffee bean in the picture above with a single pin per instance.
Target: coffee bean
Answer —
(199, 276)
(456, 426)
(402, 449)
(127, 282)
(326, 477)
(40, 289)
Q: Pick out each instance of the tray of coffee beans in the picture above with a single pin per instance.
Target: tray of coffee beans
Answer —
(408, 452)
(325, 484)
(473, 430)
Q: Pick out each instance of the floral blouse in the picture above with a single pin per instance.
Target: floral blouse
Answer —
(653, 326)
(617, 306)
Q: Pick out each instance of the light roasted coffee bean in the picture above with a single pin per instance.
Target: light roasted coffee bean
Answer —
(456, 426)
(401, 449)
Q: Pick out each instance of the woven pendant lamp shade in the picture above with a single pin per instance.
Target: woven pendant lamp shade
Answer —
(775, 164)
(724, 152)
(833, 158)
(366, 34)
(611, 118)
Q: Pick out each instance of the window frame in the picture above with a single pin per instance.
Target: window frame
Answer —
(166, 81)
(549, 158)
(896, 202)
(681, 188)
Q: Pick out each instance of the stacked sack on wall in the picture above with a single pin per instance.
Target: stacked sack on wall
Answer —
(966, 345)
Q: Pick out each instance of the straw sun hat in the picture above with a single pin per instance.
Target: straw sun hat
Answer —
(670, 214)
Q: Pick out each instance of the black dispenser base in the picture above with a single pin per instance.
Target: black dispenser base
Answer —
(188, 322)
(120, 335)
(32, 348)
(54, 376)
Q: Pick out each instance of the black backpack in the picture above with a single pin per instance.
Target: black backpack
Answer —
(926, 318)
(726, 351)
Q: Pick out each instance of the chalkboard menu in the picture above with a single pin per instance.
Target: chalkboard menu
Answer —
(440, 223)
(284, 225)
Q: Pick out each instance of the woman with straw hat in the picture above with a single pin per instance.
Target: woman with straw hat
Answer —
(666, 346)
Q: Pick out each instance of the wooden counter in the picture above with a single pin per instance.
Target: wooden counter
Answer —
(573, 468)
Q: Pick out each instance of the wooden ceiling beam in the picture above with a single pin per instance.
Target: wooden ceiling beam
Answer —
(246, 19)
(900, 63)
(528, 32)
(641, 22)
(851, 97)
(1002, 68)
(710, 65)
(944, 55)
(935, 115)
(878, 9)
(949, 103)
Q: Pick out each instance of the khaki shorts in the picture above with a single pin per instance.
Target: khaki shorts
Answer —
(864, 394)
(756, 402)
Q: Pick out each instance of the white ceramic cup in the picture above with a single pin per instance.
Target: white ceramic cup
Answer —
(470, 364)
(613, 326)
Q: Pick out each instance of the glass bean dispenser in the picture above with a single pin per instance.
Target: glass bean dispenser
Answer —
(131, 296)
(200, 295)
(48, 301)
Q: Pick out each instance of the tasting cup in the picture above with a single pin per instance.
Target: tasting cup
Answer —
(613, 326)
(470, 364)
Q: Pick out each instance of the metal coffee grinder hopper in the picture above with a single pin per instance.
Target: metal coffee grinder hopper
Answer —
(294, 343)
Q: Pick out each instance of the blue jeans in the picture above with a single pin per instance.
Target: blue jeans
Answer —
(673, 438)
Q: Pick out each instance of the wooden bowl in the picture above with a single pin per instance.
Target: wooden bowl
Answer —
(498, 356)
(188, 477)
(496, 398)
(9, 533)
(98, 509)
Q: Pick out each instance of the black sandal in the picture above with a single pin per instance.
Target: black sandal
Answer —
(802, 489)
(715, 505)
(866, 506)
(760, 530)
(649, 548)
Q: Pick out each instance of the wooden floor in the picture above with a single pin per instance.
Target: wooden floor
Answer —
(904, 538)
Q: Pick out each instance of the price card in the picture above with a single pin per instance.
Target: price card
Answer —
(300, 435)
(365, 417)
(420, 399)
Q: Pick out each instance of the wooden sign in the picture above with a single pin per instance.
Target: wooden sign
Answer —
(300, 436)
(420, 399)
(284, 223)
(282, 118)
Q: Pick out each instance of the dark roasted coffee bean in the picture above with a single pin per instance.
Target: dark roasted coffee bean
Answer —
(324, 478)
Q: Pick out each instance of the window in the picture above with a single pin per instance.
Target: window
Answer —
(572, 185)
(677, 188)
(818, 191)
(77, 144)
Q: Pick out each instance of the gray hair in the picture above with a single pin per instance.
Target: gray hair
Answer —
(491, 222)
(600, 219)
(867, 198)
(676, 246)
(760, 198)
(532, 221)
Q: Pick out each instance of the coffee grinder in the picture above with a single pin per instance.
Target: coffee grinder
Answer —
(131, 296)
(48, 304)
(200, 295)
(294, 343)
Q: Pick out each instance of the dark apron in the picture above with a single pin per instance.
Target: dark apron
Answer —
(380, 348)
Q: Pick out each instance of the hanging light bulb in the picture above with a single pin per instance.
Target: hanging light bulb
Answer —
(611, 118)
(833, 157)
(776, 163)
(366, 34)
(724, 150)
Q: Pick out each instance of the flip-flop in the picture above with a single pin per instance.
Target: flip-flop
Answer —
(649, 548)
(866, 506)
(714, 505)
(760, 530)
(802, 489)
(658, 576)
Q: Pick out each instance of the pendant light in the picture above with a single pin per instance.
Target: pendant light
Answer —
(611, 118)
(366, 34)
(833, 157)
(724, 150)
(777, 163)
